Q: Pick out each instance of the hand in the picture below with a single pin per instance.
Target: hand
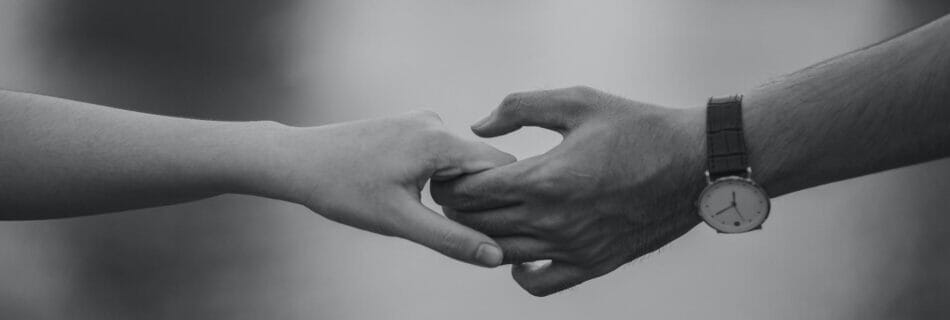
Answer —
(621, 184)
(368, 174)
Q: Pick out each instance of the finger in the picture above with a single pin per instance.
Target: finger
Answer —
(426, 227)
(459, 156)
(520, 249)
(493, 223)
(557, 110)
(548, 279)
(491, 189)
(486, 190)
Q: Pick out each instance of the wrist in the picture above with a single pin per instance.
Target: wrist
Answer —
(683, 139)
(683, 165)
(690, 125)
(254, 159)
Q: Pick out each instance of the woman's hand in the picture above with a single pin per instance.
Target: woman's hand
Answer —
(368, 174)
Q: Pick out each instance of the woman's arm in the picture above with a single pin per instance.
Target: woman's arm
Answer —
(62, 158)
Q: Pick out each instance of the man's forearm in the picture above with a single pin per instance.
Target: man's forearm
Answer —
(871, 110)
(65, 158)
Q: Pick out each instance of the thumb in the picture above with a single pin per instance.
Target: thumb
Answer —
(557, 110)
(426, 227)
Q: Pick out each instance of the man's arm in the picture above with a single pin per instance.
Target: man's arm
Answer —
(62, 158)
(623, 181)
(874, 109)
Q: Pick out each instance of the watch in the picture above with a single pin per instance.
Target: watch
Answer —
(731, 202)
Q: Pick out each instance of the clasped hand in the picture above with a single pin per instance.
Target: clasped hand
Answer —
(618, 186)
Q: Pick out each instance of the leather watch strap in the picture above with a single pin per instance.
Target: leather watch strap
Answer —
(725, 143)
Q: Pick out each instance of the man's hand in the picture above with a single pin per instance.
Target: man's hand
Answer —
(368, 174)
(621, 184)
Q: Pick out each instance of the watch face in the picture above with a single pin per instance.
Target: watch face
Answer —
(733, 205)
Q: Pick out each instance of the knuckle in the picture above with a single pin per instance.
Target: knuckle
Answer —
(413, 126)
(426, 115)
(550, 180)
(582, 91)
(513, 104)
(551, 224)
(422, 119)
(449, 241)
(551, 186)
(580, 98)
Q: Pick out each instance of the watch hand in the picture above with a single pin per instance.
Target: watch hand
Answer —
(723, 210)
(733, 198)
(737, 212)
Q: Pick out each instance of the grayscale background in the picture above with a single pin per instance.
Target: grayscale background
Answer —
(876, 247)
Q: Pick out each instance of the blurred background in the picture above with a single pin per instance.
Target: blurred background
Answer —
(876, 247)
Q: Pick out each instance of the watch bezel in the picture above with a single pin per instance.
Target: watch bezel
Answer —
(745, 180)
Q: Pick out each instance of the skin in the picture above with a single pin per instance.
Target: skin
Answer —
(623, 181)
(64, 158)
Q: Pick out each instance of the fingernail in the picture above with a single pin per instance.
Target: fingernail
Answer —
(488, 255)
(481, 123)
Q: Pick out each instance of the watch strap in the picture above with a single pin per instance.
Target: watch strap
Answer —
(725, 141)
